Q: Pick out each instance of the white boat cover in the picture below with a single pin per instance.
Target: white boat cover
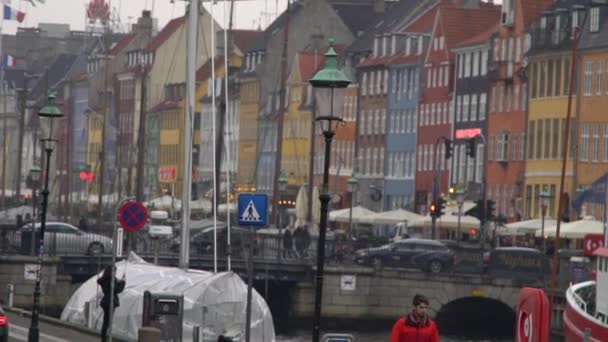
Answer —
(224, 295)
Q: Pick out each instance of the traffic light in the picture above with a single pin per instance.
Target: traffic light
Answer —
(490, 206)
(477, 211)
(433, 210)
(440, 206)
(449, 148)
(471, 147)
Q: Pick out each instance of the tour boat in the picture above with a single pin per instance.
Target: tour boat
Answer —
(586, 313)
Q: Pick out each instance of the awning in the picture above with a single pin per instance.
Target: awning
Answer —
(524, 227)
(575, 230)
(392, 217)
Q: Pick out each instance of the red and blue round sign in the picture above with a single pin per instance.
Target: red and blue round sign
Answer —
(132, 216)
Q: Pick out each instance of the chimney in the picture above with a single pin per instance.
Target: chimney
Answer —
(379, 6)
(144, 23)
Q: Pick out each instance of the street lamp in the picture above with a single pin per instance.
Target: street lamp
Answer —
(326, 82)
(459, 195)
(280, 205)
(352, 188)
(50, 111)
(35, 173)
(545, 198)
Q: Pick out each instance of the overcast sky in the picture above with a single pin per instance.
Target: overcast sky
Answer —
(248, 13)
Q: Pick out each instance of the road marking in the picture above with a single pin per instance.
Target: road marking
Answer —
(20, 333)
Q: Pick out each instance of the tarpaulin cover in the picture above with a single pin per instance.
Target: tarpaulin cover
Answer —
(215, 302)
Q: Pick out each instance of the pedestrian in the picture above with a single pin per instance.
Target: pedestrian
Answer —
(287, 243)
(416, 326)
(82, 224)
(106, 283)
(298, 239)
(306, 240)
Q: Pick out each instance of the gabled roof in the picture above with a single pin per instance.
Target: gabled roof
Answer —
(400, 13)
(204, 72)
(461, 24)
(531, 9)
(309, 62)
(122, 44)
(165, 33)
(480, 38)
(243, 39)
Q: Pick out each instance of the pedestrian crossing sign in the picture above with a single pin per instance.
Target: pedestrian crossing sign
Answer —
(253, 210)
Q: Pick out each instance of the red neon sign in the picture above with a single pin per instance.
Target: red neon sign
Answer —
(466, 133)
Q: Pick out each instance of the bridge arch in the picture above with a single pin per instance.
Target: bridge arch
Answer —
(476, 317)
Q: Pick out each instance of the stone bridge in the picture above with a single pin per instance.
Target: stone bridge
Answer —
(362, 294)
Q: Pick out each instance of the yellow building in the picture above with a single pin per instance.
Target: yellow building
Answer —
(592, 140)
(247, 149)
(549, 67)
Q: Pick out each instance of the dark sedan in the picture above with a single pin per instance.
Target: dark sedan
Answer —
(3, 326)
(426, 255)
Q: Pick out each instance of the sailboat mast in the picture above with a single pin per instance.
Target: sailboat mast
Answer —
(193, 14)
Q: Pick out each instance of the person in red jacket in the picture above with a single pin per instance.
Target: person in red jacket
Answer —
(416, 326)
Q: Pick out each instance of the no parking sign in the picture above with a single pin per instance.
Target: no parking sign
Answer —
(132, 216)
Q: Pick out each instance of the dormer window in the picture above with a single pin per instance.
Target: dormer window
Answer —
(420, 45)
(394, 44)
(260, 55)
(507, 15)
(376, 46)
(408, 46)
(248, 62)
(385, 47)
(594, 23)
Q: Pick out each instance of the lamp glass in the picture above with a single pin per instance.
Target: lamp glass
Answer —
(324, 98)
(459, 195)
(35, 173)
(282, 183)
(545, 197)
(353, 183)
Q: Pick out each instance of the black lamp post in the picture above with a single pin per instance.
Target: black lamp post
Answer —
(35, 172)
(50, 111)
(280, 205)
(326, 82)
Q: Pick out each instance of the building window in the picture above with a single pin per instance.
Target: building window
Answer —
(588, 78)
(524, 97)
(550, 78)
(522, 146)
(480, 163)
(531, 131)
(474, 107)
(460, 65)
(516, 98)
(446, 75)
(514, 147)
(558, 77)
(584, 142)
(458, 108)
(484, 63)
(598, 75)
(461, 163)
(547, 138)
(491, 148)
(502, 152)
(482, 106)
(493, 100)
(517, 50)
(475, 64)
(465, 108)
(467, 65)
(566, 77)
(509, 91)
(596, 142)
(594, 24)
(555, 134)
(541, 78)
(539, 139)
(528, 201)
(500, 98)
(605, 143)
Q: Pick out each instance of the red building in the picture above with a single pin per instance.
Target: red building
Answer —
(453, 25)
(508, 106)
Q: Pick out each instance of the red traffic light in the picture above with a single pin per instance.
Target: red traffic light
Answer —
(473, 232)
(86, 176)
(83, 175)
(432, 208)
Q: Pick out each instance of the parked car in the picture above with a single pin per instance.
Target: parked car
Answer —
(64, 238)
(201, 241)
(426, 255)
(3, 326)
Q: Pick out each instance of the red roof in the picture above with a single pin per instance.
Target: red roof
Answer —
(460, 24)
(602, 251)
(531, 9)
(165, 105)
(204, 72)
(424, 23)
(481, 37)
(165, 33)
(243, 39)
(122, 44)
(310, 62)
(403, 58)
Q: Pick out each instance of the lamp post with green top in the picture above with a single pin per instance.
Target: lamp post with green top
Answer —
(50, 111)
(329, 84)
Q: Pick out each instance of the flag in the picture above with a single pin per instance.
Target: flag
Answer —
(8, 60)
(12, 14)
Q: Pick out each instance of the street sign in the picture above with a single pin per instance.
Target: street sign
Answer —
(132, 216)
(30, 271)
(253, 210)
(348, 282)
(120, 236)
(591, 242)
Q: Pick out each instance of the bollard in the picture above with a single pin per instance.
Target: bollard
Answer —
(148, 334)
(89, 309)
(11, 292)
(196, 333)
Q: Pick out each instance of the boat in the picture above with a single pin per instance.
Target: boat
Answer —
(586, 312)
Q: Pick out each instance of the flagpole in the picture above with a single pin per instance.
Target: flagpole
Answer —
(3, 94)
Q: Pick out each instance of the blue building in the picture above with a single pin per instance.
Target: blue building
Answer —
(400, 137)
